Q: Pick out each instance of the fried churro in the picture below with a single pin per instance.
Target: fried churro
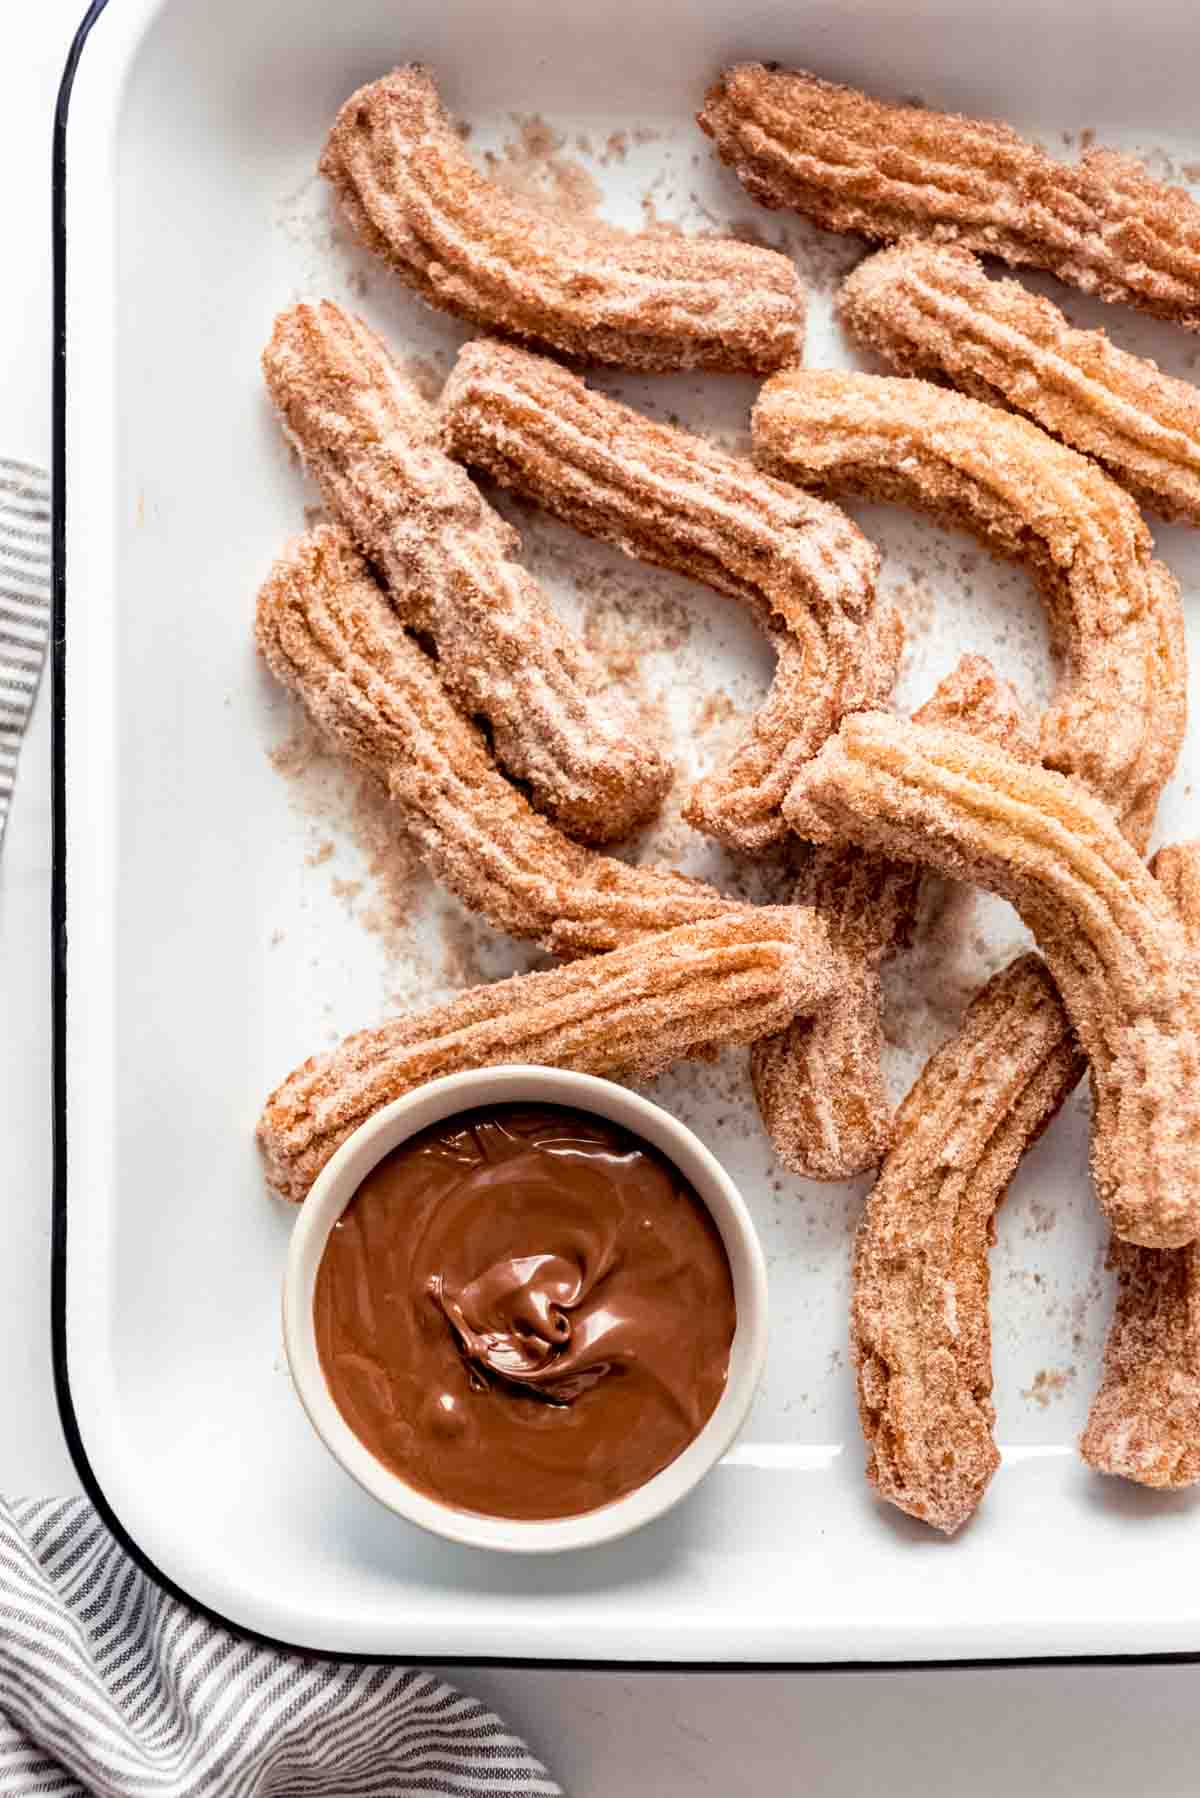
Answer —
(1144, 1423)
(819, 1083)
(1118, 715)
(372, 445)
(467, 245)
(674, 500)
(327, 632)
(883, 171)
(628, 1015)
(930, 309)
(920, 1331)
(1114, 944)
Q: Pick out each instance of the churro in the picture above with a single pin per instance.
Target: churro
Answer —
(883, 171)
(627, 1015)
(930, 309)
(1119, 955)
(372, 445)
(676, 501)
(467, 245)
(919, 1311)
(1117, 717)
(1144, 1423)
(819, 1083)
(327, 632)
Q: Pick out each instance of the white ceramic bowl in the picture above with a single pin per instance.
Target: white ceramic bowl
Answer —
(336, 1185)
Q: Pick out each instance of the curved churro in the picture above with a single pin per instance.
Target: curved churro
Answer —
(1118, 953)
(628, 1015)
(919, 1309)
(819, 1083)
(676, 501)
(852, 163)
(372, 445)
(930, 309)
(469, 246)
(1144, 1423)
(1118, 715)
(327, 632)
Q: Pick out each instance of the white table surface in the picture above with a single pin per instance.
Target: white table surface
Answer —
(1098, 1731)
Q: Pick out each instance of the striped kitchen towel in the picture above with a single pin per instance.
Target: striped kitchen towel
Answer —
(108, 1687)
(24, 608)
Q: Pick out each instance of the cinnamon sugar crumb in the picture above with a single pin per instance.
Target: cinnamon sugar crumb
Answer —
(297, 753)
(1049, 1384)
(427, 374)
(531, 165)
(715, 709)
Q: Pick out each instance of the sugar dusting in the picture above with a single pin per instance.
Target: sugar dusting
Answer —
(532, 164)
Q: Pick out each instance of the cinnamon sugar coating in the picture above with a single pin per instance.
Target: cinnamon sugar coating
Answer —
(1144, 1423)
(327, 632)
(1119, 712)
(1118, 952)
(469, 246)
(819, 1083)
(919, 1329)
(627, 1015)
(671, 499)
(449, 562)
(930, 309)
(853, 163)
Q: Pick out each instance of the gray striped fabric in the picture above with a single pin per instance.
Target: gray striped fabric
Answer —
(24, 608)
(110, 1687)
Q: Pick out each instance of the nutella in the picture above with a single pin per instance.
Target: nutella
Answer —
(525, 1311)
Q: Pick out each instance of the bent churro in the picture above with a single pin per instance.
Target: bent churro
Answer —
(469, 246)
(372, 445)
(1118, 714)
(931, 309)
(327, 632)
(676, 501)
(919, 1329)
(628, 1015)
(1144, 1423)
(1116, 948)
(853, 163)
(819, 1084)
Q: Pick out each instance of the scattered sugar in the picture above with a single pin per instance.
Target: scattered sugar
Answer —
(1049, 1384)
(532, 165)
(716, 708)
(427, 373)
(327, 792)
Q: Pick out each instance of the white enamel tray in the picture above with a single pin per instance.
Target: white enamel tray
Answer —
(215, 934)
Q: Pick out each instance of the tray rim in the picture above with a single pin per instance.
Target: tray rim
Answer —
(59, 1237)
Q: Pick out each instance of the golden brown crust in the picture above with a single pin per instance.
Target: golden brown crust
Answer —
(1118, 715)
(1114, 944)
(327, 632)
(468, 246)
(853, 163)
(920, 1331)
(671, 499)
(1144, 1423)
(372, 445)
(627, 1015)
(819, 1083)
(930, 309)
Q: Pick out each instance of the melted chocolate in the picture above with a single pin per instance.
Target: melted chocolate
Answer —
(525, 1311)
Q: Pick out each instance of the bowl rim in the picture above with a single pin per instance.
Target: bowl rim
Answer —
(510, 1083)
